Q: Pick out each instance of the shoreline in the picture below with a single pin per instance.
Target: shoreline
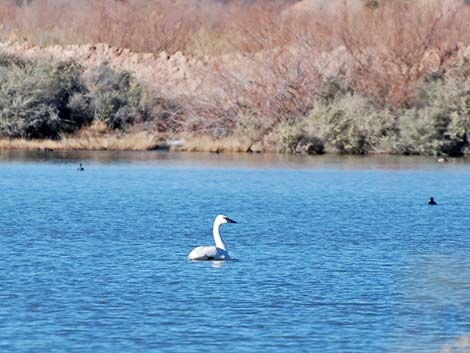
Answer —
(144, 141)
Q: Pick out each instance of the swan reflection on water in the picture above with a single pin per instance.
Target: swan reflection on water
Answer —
(218, 264)
(218, 252)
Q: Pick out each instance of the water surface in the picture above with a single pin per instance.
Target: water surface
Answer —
(334, 254)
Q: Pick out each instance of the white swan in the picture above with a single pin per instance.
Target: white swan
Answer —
(217, 252)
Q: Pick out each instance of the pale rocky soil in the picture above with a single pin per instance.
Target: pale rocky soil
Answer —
(187, 76)
(171, 76)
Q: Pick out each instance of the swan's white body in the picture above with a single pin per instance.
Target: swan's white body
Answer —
(217, 252)
(208, 253)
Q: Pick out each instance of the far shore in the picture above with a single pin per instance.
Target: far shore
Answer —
(146, 141)
(293, 77)
(138, 141)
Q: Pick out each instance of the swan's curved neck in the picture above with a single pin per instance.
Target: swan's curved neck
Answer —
(219, 243)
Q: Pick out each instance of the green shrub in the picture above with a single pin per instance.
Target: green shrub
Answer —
(286, 136)
(8, 60)
(292, 137)
(441, 124)
(116, 97)
(38, 98)
(251, 127)
(350, 124)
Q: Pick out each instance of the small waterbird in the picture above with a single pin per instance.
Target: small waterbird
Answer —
(80, 168)
(217, 252)
(431, 201)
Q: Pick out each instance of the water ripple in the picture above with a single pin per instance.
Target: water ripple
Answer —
(329, 257)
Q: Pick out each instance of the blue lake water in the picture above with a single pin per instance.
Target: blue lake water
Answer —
(333, 254)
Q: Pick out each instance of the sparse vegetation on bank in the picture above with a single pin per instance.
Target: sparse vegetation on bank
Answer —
(57, 105)
(39, 100)
(305, 77)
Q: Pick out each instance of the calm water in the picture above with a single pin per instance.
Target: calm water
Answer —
(334, 254)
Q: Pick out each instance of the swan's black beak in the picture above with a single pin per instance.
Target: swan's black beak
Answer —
(230, 220)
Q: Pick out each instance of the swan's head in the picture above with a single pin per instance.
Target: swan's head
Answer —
(222, 219)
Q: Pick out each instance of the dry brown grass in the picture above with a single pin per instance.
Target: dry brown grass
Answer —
(389, 50)
(393, 48)
(95, 137)
(204, 143)
(140, 25)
